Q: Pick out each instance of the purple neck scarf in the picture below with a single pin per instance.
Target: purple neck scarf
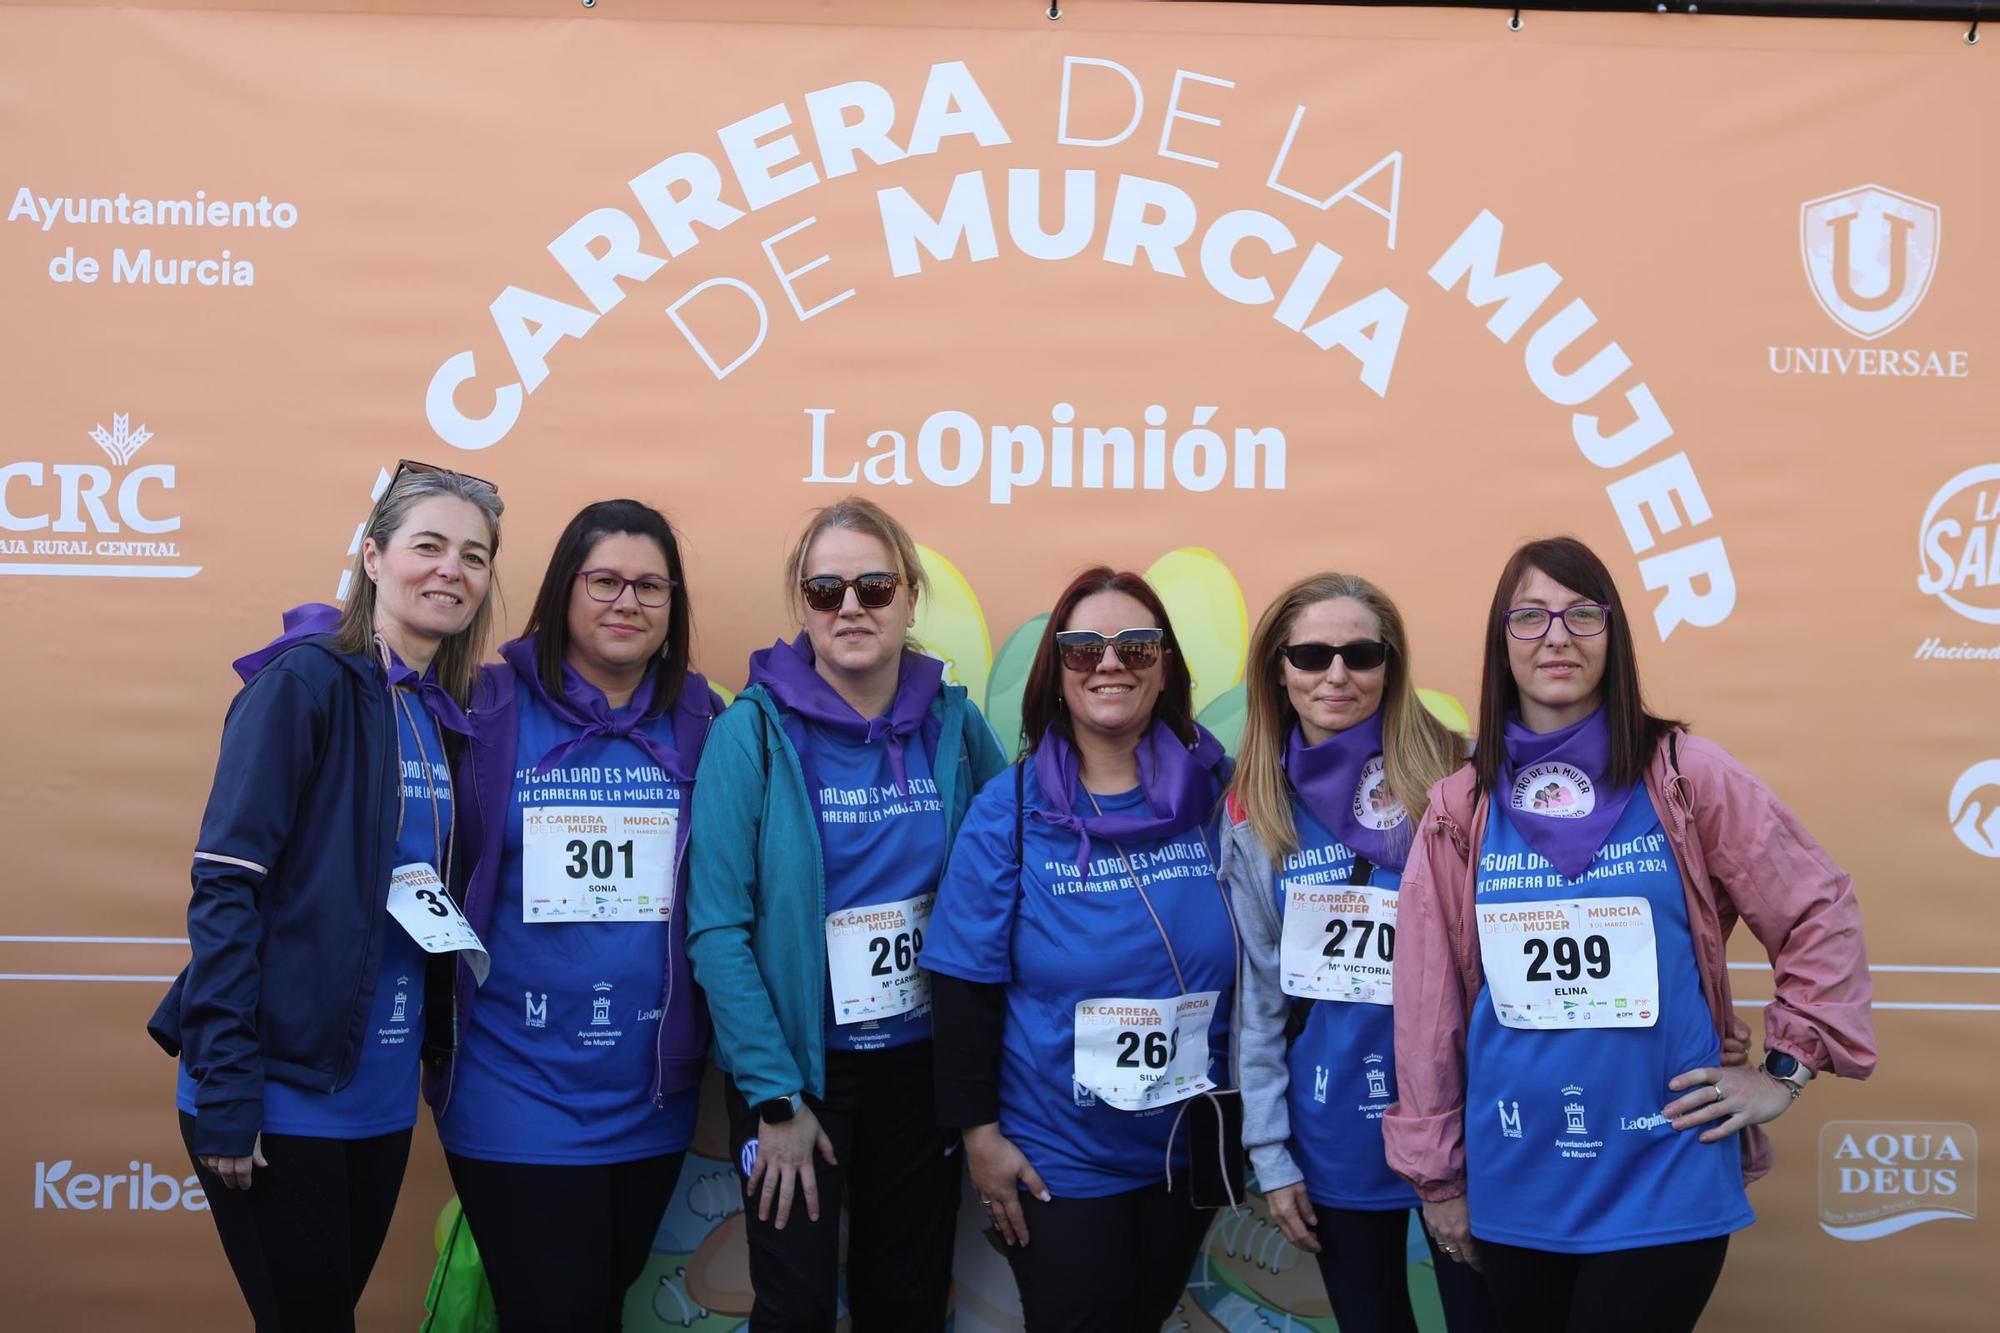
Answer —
(583, 706)
(317, 619)
(1552, 790)
(786, 670)
(1179, 783)
(1343, 783)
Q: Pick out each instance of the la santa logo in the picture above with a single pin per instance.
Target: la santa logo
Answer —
(1958, 547)
(1877, 1178)
(89, 520)
(1870, 254)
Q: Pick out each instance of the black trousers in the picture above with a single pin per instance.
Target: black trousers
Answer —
(899, 1175)
(1654, 1289)
(1110, 1265)
(304, 1237)
(1362, 1260)
(562, 1244)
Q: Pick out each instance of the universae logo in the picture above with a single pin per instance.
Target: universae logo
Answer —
(1879, 1177)
(1870, 254)
(90, 520)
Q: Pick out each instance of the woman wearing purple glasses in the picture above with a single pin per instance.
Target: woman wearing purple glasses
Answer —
(1565, 1109)
(1086, 966)
(1312, 852)
(823, 808)
(568, 1099)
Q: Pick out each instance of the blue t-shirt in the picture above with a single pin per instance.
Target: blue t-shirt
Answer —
(1057, 938)
(879, 846)
(1565, 1147)
(1343, 1065)
(382, 1096)
(560, 1052)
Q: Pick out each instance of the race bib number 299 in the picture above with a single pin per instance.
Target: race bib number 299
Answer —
(1571, 964)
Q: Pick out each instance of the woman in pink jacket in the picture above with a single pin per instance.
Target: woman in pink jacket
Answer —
(1565, 1113)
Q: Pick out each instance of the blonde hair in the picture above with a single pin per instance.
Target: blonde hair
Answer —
(1417, 749)
(458, 657)
(855, 514)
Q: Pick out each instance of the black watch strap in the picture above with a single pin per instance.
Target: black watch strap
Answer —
(778, 1110)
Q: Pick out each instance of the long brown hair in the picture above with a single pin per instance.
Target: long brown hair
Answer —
(1635, 733)
(457, 662)
(1417, 749)
(1041, 700)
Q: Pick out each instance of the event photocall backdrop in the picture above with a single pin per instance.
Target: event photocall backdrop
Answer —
(1225, 292)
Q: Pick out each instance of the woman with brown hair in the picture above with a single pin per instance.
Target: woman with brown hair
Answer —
(1086, 964)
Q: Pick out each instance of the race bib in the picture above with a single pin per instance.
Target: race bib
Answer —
(1138, 1054)
(872, 959)
(1338, 943)
(421, 905)
(597, 863)
(1587, 964)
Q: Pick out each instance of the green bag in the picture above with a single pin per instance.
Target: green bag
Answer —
(459, 1300)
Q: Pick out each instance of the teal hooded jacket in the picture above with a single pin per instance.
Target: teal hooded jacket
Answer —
(756, 903)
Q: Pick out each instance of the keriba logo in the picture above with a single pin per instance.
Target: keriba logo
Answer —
(1870, 254)
(140, 1188)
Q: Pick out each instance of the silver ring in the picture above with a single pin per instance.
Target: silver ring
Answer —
(1449, 1249)
(986, 1203)
(1719, 1093)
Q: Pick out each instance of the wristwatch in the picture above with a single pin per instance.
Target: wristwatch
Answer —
(1788, 1071)
(779, 1109)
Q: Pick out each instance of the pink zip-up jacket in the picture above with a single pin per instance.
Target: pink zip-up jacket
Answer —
(1742, 854)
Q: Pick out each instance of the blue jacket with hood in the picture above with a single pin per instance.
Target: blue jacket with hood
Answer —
(484, 775)
(291, 884)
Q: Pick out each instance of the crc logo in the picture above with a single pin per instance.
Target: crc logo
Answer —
(1975, 808)
(1958, 545)
(138, 1189)
(1870, 254)
(89, 519)
(1877, 1178)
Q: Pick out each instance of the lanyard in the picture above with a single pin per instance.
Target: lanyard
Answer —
(399, 700)
(1158, 925)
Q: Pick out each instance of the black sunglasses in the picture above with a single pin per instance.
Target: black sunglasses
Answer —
(411, 465)
(1360, 655)
(827, 593)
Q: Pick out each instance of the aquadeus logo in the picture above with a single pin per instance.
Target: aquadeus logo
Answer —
(1879, 1177)
(1870, 254)
(93, 520)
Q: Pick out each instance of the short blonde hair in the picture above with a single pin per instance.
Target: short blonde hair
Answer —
(856, 515)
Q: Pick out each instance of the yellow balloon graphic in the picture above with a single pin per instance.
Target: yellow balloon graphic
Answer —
(1447, 709)
(951, 627)
(1209, 617)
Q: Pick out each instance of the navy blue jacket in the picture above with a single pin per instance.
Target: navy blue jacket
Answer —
(291, 887)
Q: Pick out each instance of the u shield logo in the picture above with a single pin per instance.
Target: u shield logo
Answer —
(1870, 254)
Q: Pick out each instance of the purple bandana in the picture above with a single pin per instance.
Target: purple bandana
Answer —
(317, 618)
(786, 670)
(1343, 782)
(1179, 781)
(583, 705)
(1551, 787)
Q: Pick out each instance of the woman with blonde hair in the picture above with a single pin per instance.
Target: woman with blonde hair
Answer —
(1336, 740)
(825, 800)
(319, 875)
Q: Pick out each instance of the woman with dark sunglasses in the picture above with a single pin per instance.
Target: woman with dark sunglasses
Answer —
(1086, 965)
(824, 805)
(1566, 1109)
(319, 900)
(1312, 852)
(570, 1100)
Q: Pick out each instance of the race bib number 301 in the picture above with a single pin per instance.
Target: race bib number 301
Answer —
(1339, 942)
(872, 958)
(595, 863)
(1585, 964)
(1136, 1054)
(421, 905)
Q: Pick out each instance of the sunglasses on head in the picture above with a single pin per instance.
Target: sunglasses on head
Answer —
(1137, 649)
(411, 465)
(1360, 655)
(827, 593)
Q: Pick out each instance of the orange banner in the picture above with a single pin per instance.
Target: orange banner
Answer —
(1228, 293)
